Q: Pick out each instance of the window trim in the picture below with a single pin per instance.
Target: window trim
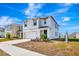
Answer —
(34, 22)
(25, 24)
(45, 22)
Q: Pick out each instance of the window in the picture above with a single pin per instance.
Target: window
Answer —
(9, 28)
(25, 25)
(56, 33)
(56, 26)
(44, 21)
(34, 22)
(19, 28)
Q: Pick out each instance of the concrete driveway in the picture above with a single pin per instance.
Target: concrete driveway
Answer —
(14, 41)
(17, 51)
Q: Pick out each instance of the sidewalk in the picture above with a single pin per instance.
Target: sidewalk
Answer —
(17, 51)
(14, 41)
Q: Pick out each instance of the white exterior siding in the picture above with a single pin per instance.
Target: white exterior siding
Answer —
(77, 35)
(42, 22)
(53, 30)
(30, 24)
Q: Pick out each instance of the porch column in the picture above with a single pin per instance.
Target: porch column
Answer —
(38, 23)
(23, 30)
(20, 34)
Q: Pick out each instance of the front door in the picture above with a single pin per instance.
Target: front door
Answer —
(45, 32)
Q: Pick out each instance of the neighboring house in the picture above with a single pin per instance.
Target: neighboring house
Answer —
(34, 27)
(74, 35)
(2, 32)
(14, 29)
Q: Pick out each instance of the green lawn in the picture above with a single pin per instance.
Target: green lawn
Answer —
(5, 39)
(69, 39)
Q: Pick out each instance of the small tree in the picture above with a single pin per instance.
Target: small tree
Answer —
(43, 37)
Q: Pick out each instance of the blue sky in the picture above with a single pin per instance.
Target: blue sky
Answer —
(66, 14)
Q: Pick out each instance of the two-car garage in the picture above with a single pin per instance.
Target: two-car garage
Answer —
(32, 34)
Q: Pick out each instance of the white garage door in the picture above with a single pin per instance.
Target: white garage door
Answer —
(31, 35)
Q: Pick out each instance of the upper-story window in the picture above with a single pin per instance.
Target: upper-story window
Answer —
(56, 33)
(34, 22)
(19, 28)
(56, 26)
(25, 24)
(44, 21)
(9, 28)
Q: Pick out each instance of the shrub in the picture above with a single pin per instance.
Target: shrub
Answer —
(73, 39)
(16, 37)
(35, 40)
(43, 37)
(8, 35)
(69, 39)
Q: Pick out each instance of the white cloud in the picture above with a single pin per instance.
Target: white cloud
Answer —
(58, 11)
(64, 9)
(76, 27)
(6, 20)
(33, 10)
(66, 19)
(66, 4)
(64, 24)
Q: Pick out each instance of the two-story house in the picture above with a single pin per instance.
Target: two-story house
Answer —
(34, 27)
(74, 35)
(14, 29)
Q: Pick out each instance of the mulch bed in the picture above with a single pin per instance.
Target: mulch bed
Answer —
(2, 53)
(53, 48)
